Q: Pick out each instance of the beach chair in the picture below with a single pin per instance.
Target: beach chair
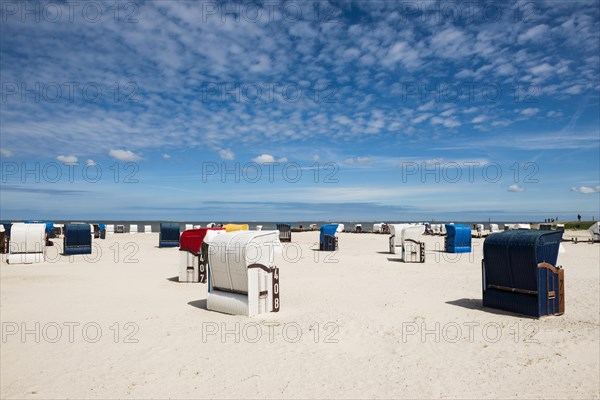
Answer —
(102, 231)
(519, 272)
(340, 228)
(395, 239)
(413, 250)
(96, 231)
(285, 232)
(519, 227)
(50, 234)
(147, 228)
(77, 239)
(6, 227)
(494, 228)
(110, 229)
(406, 237)
(358, 228)
(327, 239)
(194, 254)
(120, 229)
(458, 238)
(313, 227)
(479, 228)
(133, 228)
(259, 227)
(26, 243)
(242, 279)
(211, 225)
(235, 227)
(169, 234)
(2, 239)
(594, 231)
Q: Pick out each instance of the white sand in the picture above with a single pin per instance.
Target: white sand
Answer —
(366, 296)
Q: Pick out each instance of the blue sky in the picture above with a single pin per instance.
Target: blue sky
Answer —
(349, 110)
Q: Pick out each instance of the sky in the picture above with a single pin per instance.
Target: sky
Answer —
(300, 111)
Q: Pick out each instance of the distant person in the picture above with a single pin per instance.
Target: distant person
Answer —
(578, 217)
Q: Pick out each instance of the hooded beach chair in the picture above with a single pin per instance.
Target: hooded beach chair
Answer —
(494, 228)
(235, 227)
(285, 232)
(110, 228)
(189, 226)
(406, 237)
(2, 239)
(26, 243)
(77, 239)
(120, 229)
(169, 234)
(519, 272)
(102, 231)
(50, 234)
(242, 279)
(147, 228)
(594, 231)
(340, 228)
(133, 228)
(194, 254)
(458, 238)
(358, 228)
(327, 239)
(96, 231)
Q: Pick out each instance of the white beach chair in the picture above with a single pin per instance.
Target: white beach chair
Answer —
(413, 250)
(494, 228)
(27, 243)
(133, 228)
(594, 230)
(242, 279)
(188, 227)
(259, 227)
(147, 228)
(340, 228)
(110, 228)
(396, 237)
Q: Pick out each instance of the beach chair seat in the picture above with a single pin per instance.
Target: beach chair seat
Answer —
(194, 254)
(285, 232)
(519, 272)
(77, 239)
(169, 234)
(242, 279)
(327, 240)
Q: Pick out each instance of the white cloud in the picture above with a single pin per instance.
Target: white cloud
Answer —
(67, 159)
(268, 158)
(124, 155)
(516, 188)
(528, 112)
(316, 157)
(166, 156)
(356, 161)
(5, 153)
(90, 163)
(226, 154)
(479, 119)
(535, 33)
(586, 189)
(447, 122)
(554, 114)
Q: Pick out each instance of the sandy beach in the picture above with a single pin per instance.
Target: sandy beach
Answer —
(355, 323)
